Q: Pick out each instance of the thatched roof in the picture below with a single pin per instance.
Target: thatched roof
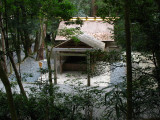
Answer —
(99, 29)
(86, 43)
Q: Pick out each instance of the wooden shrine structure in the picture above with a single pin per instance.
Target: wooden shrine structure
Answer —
(71, 55)
(78, 50)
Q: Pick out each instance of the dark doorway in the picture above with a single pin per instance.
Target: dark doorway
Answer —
(75, 63)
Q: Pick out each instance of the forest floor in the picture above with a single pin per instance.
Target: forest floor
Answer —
(30, 73)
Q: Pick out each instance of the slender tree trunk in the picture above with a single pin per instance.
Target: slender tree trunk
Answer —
(28, 43)
(18, 48)
(40, 55)
(24, 44)
(41, 41)
(6, 27)
(50, 74)
(3, 43)
(157, 67)
(6, 83)
(48, 55)
(157, 53)
(36, 42)
(4, 51)
(19, 81)
(18, 43)
(128, 60)
(26, 40)
(93, 8)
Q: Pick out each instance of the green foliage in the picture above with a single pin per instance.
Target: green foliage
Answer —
(79, 22)
(83, 7)
(110, 57)
(145, 100)
(115, 102)
(144, 22)
(112, 8)
(75, 39)
(54, 8)
(100, 59)
(146, 18)
(70, 32)
(23, 19)
(60, 105)
(4, 110)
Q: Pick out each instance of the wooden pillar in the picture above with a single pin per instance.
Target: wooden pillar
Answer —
(55, 67)
(60, 63)
(88, 70)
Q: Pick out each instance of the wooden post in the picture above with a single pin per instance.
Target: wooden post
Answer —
(88, 69)
(55, 67)
(60, 63)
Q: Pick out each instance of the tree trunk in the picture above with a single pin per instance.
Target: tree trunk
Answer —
(49, 65)
(6, 25)
(4, 51)
(157, 67)
(48, 55)
(40, 55)
(128, 60)
(41, 41)
(26, 40)
(6, 83)
(18, 47)
(93, 8)
(3, 43)
(18, 53)
(23, 43)
(19, 81)
(36, 42)
(18, 43)
(28, 43)
(157, 53)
